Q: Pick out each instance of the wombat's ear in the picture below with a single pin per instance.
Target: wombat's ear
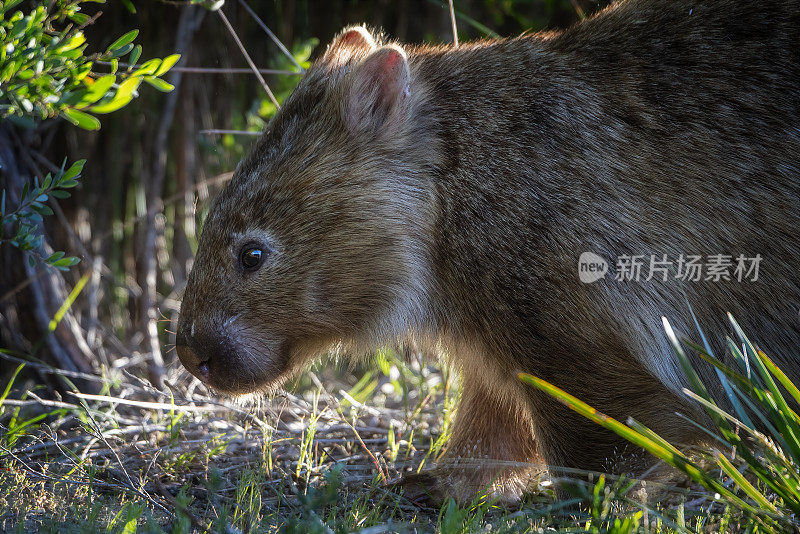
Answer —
(379, 90)
(351, 41)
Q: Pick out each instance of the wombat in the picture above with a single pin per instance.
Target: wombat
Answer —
(450, 196)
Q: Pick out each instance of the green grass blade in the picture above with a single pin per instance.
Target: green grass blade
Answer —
(725, 374)
(744, 484)
(742, 446)
(645, 431)
(742, 360)
(781, 376)
(791, 426)
(710, 406)
(10, 384)
(694, 379)
(773, 432)
(691, 374)
(703, 429)
(68, 301)
(679, 461)
(725, 384)
(745, 389)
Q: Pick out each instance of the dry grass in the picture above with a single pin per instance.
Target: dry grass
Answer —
(318, 460)
(188, 455)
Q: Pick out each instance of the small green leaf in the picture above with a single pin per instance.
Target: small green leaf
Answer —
(66, 262)
(166, 64)
(121, 98)
(81, 119)
(124, 40)
(43, 210)
(119, 52)
(79, 18)
(96, 90)
(55, 257)
(136, 53)
(73, 171)
(160, 84)
(147, 68)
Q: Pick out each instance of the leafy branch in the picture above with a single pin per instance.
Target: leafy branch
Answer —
(45, 72)
(32, 209)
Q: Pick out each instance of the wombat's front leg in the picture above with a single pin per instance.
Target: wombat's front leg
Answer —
(491, 451)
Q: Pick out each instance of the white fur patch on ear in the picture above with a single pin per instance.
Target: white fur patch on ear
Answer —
(379, 90)
(350, 42)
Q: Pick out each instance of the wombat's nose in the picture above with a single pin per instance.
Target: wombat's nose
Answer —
(194, 363)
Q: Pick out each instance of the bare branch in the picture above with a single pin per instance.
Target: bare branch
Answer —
(248, 59)
(214, 70)
(232, 132)
(453, 22)
(149, 405)
(271, 35)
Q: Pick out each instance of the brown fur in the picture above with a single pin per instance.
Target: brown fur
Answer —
(446, 194)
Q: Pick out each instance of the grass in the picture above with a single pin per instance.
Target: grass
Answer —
(318, 458)
(757, 466)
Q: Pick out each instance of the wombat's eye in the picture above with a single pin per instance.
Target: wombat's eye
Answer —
(251, 257)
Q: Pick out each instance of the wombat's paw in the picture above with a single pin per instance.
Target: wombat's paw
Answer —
(437, 485)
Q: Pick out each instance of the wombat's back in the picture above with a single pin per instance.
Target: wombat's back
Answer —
(702, 102)
(657, 128)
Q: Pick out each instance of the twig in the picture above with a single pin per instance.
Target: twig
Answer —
(45, 368)
(38, 401)
(453, 22)
(271, 35)
(153, 184)
(148, 405)
(214, 70)
(94, 426)
(247, 58)
(232, 132)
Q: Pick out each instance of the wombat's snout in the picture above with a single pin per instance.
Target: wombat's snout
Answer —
(229, 356)
(208, 352)
(195, 364)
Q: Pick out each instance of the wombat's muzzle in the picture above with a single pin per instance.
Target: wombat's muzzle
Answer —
(194, 363)
(196, 353)
(228, 358)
